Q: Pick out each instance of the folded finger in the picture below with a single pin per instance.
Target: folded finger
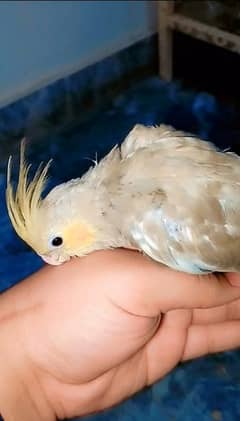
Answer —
(208, 339)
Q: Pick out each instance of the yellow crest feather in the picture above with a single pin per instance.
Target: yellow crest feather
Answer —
(23, 205)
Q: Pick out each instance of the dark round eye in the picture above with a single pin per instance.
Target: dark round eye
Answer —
(57, 241)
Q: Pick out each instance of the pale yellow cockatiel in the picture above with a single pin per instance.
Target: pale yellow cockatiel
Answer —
(172, 196)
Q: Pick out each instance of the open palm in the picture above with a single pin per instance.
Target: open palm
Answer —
(99, 329)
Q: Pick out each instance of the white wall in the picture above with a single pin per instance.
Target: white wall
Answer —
(41, 41)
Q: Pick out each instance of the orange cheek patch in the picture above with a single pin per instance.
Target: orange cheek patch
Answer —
(78, 236)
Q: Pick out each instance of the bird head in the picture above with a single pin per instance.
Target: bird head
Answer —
(68, 222)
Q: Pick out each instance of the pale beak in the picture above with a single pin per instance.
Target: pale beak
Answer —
(51, 260)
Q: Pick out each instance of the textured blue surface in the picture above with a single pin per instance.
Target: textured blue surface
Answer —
(206, 389)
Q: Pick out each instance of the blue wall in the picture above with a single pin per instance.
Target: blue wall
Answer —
(41, 41)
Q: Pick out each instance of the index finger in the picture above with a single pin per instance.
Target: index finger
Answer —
(175, 290)
(149, 288)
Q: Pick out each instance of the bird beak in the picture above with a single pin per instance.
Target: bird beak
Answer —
(51, 260)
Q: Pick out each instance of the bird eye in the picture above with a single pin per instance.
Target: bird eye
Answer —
(57, 241)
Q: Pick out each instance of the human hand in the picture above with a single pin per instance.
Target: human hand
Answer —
(81, 337)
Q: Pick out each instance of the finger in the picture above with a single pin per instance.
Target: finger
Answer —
(228, 312)
(209, 339)
(166, 348)
(168, 290)
(145, 287)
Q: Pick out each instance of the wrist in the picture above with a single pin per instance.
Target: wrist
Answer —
(21, 396)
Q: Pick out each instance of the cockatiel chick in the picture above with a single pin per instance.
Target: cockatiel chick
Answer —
(172, 196)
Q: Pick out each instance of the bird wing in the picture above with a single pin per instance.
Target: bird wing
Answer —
(171, 240)
(182, 208)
